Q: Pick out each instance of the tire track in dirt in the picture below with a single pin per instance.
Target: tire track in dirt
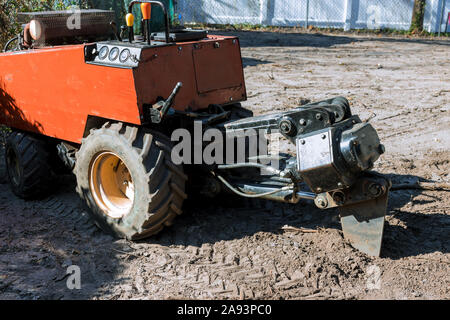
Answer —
(232, 248)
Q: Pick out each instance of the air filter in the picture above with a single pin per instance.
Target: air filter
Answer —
(59, 27)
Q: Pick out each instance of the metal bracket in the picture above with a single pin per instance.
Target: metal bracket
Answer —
(362, 210)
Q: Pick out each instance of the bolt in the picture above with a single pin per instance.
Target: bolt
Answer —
(375, 189)
(217, 45)
(339, 198)
(319, 189)
(340, 185)
(319, 116)
(321, 202)
(302, 122)
(213, 187)
(324, 136)
(286, 127)
(302, 141)
(286, 174)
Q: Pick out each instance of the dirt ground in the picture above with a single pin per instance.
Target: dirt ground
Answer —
(239, 249)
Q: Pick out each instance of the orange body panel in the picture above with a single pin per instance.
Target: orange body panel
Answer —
(52, 91)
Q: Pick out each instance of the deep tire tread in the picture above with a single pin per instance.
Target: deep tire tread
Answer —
(34, 160)
(166, 181)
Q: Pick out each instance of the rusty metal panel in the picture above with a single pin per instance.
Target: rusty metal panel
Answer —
(218, 65)
(161, 67)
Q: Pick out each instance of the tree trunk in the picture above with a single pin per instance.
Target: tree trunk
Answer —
(418, 16)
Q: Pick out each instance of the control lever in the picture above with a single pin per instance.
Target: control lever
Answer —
(160, 109)
(114, 28)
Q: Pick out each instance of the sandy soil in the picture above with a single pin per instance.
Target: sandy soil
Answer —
(239, 249)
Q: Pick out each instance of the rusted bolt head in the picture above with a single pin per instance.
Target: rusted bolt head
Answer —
(339, 198)
(321, 202)
(286, 127)
(375, 189)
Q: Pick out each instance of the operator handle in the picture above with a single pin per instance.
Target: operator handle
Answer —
(165, 13)
(171, 98)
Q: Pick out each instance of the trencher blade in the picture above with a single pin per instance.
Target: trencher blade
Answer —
(363, 223)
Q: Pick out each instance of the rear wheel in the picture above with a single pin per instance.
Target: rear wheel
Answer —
(126, 177)
(28, 165)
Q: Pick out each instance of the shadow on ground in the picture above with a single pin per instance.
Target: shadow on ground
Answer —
(228, 217)
(273, 39)
(40, 239)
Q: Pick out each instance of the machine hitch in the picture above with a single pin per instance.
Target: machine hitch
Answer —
(335, 152)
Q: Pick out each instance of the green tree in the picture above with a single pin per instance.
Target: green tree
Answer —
(9, 10)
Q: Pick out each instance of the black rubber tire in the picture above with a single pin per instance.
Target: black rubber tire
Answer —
(159, 184)
(32, 176)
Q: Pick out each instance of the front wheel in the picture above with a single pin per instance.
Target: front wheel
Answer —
(126, 177)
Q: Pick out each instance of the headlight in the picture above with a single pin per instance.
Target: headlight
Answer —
(35, 29)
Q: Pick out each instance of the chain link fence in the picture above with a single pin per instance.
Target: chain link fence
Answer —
(345, 14)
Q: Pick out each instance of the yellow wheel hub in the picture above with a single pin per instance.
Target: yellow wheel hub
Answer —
(111, 185)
